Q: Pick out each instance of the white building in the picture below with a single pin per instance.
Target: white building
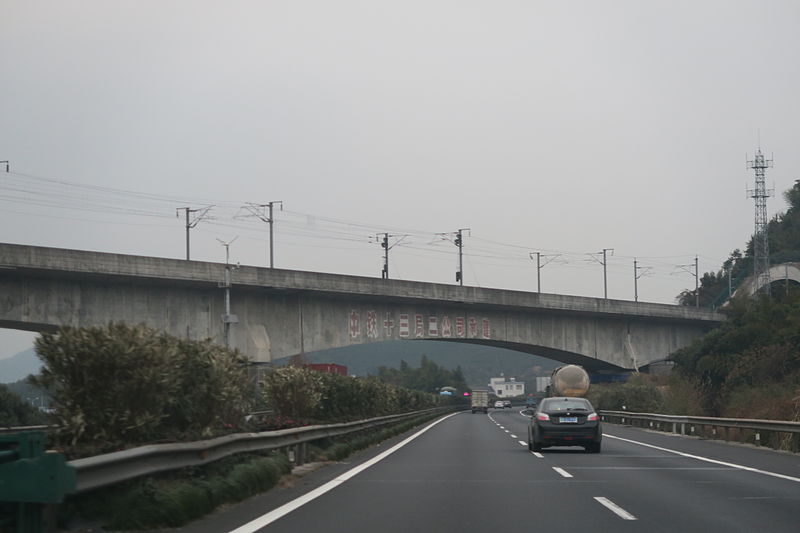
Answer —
(542, 383)
(507, 387)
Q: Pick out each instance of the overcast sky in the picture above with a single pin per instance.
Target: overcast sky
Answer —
(559, 127)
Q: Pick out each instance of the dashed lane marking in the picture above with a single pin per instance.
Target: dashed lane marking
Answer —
(562, 471)
(614, 508)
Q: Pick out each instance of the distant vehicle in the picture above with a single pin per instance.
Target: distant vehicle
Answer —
(480, 401)
(499, 404)
(531, 401)
(569, 380)
(507, 403)
(565, 421)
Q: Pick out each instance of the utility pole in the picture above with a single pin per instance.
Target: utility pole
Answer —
(696, 275)
(201, 214)
(460, 243)
(540, 266)
(760, 240)
(227, 318)
(383, 238)
(263, 212)
(385, 245)
(730, 284)
(636, 276)
(604, 262)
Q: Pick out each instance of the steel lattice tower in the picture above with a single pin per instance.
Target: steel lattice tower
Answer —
(760, 239)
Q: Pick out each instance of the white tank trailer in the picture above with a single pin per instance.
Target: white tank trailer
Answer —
(569, 380)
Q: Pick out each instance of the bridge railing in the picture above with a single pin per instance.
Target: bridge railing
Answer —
(777, 434)
(111, 468)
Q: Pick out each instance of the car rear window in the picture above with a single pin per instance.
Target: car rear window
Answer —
(566, 405)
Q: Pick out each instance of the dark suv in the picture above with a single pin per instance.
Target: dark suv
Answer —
(564, 421)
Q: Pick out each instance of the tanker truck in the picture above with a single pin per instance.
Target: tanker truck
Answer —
(569, 380)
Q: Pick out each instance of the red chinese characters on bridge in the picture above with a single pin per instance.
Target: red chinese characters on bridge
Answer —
(437, 326)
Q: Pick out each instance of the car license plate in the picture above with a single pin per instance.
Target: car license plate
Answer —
(569, 419)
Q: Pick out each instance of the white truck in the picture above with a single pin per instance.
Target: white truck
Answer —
(480, 400)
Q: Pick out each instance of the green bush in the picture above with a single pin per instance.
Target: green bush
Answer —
(306, 395)
(174, 500)
(118, 384)
(638, 394)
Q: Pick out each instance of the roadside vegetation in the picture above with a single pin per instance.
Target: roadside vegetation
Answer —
(14, 411)
(119, 386)
(428, 377)
(783, 233)
(748, 367)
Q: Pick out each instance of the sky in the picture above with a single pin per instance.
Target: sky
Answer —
(554, 127)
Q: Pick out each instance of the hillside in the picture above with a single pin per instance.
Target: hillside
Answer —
(478, 363)
(19, 366)
(783, 233)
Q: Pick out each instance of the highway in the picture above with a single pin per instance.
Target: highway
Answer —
(474, 473)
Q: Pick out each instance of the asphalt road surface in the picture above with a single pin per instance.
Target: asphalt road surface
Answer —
(473, 472)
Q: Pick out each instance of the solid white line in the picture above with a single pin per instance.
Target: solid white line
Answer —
(708, 460)
(287, 508)
(537, 454)
(614, 508)
(562, 471)
(522, 442)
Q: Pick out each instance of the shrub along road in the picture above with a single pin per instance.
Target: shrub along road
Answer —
(472, 472)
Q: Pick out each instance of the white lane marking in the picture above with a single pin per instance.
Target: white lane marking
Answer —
(562, 471)
(287, 508)
(537, 454)
(513, 436)
(507, 431)
(614, 508)
(522, 442)
(501, 427)
(708, 460)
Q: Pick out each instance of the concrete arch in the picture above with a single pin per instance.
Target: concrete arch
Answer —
(590, 364)
(778, 274)
(282, 312)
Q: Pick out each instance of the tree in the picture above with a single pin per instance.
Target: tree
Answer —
(15, 412)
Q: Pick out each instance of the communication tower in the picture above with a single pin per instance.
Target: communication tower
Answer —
(760, 239)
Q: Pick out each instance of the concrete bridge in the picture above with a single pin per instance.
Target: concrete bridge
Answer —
(285, 312)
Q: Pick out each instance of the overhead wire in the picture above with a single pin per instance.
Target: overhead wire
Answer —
(39, 191)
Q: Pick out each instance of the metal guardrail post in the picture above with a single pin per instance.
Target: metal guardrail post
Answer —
(29, 479)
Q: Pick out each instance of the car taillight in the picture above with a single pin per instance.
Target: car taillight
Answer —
(591, 417)
(543, 417)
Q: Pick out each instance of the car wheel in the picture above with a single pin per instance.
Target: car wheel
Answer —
(593, 448)
(537, 447)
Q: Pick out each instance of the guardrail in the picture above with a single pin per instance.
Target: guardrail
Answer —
(111, 468)
(777, 434)
(17, 429)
